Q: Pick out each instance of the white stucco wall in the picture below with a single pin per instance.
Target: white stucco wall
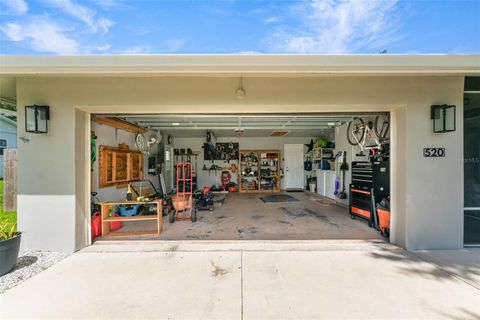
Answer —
(428, 206)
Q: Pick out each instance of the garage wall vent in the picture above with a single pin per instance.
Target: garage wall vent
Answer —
(279, 133)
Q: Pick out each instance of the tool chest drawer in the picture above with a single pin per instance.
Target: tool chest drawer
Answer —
(362, 175)
(361, 189)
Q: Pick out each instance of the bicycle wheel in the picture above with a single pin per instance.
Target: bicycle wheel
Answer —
(382, 127)
(355, 131)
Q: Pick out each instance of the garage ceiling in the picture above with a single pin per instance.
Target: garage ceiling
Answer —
(248, 125)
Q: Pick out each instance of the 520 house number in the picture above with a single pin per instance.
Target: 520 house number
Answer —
(433, 152)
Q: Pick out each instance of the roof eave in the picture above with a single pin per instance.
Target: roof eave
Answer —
(240, 64)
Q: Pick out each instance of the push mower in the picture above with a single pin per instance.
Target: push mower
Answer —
(144, 190)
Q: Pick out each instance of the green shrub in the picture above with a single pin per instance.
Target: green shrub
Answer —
(7, 230)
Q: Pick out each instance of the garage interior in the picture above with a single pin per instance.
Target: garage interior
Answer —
(240, 177)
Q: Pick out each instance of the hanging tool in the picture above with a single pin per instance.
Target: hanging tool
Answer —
(129, 193)
(343, 167)
(374, 217)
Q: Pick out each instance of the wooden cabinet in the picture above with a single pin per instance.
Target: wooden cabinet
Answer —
(136, 166)
(259, 171)
(119, 166)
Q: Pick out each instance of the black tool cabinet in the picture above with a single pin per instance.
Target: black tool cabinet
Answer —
(370, 184)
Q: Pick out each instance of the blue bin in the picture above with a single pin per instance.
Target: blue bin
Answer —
(128, 212)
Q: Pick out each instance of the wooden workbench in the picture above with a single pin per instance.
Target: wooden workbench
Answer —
(106, 219)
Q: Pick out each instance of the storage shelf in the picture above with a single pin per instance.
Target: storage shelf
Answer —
(269, 155)
(131, 218)
(106, 219)
(131, 233)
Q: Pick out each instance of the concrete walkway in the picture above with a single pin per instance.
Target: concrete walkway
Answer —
(250, 280)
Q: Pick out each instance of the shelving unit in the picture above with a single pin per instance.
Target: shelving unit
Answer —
(322, 154)
(259, 171)
(106, 219)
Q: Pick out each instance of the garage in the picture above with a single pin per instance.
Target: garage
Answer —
(277, 176)
(427, 192)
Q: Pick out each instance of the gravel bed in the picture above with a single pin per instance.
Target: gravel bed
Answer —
(29, 263)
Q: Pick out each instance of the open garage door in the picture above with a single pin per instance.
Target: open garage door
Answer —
(245, 176)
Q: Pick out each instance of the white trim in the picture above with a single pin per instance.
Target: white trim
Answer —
(8, 112)
(88, 178)
(472, 208)
(238, 64)
(474, 92)
(7, 120)
(9, 102)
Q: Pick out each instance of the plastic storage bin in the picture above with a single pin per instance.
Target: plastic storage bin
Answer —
(128, 210)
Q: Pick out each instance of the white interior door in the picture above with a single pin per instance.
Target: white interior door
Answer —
(293, 154)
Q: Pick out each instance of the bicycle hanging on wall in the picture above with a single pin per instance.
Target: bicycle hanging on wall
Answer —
(374, 133)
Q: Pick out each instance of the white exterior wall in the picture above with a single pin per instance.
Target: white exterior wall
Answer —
(427, 206)
(8, 132)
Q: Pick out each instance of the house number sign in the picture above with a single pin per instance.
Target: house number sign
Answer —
(434, 152)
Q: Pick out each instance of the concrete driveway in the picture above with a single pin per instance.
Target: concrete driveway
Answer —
(251, 280)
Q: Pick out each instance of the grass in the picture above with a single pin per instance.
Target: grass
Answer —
(9, 217)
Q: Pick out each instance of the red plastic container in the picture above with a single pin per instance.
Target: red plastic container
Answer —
(96, 225)
(384, 221)
(115, 225)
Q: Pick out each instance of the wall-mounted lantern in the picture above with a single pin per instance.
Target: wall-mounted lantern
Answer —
(36, 119)
(444, 118)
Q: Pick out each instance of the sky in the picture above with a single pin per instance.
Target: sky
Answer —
(95, 27)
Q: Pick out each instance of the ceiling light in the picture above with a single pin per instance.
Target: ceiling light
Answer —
(331, 123)
(240, 92)
(175, 123)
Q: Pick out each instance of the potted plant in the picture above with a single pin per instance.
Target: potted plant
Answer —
(9, 247)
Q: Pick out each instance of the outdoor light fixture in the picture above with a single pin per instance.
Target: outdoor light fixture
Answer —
(240, 92)
(444, 118)
(36, 119)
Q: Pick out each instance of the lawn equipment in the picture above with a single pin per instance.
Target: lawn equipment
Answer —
(204, 201)
(144, 190)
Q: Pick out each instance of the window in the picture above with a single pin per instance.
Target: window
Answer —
(3, 145)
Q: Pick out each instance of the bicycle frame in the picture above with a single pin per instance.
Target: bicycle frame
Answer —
(361, 143)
